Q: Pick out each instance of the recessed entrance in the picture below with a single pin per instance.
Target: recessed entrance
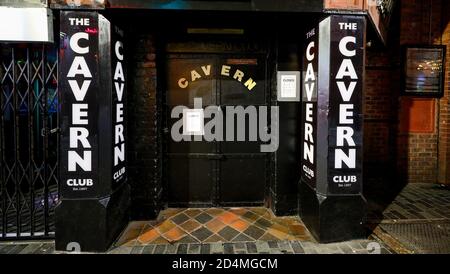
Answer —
(214, 225)
(215, 173)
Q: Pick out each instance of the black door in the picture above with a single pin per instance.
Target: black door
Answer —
(217, 173)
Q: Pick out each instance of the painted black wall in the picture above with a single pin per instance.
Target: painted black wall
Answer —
(288, 56)
(283, 32)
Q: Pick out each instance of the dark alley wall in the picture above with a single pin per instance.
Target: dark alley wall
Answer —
(144, 151)
(393, 153)
(146, 45)
(393, 149)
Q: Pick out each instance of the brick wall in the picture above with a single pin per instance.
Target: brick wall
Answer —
(418, 152)
(143, 149)
(381, 91)
(344, 4)
(416, 157)
(444, 104)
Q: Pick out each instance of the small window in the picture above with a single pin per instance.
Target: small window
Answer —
(423, 71)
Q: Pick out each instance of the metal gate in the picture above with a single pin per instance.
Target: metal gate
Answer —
(28, 140)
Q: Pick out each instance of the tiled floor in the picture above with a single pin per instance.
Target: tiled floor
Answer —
(211, 225)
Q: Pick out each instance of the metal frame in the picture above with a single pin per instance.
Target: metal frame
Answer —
(438, 94)
(29, 101)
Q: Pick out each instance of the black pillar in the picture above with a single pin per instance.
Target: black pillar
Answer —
(331, 201)
(94, 193)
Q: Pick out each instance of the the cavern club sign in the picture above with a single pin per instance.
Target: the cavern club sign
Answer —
(333, 71)
(93, 89)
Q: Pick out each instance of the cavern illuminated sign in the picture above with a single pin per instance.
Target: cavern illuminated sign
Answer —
(309, 108)
(332, 105)
(225, 70)
(93, 91)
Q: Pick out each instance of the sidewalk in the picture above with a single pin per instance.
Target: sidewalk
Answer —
(416, 221)
(216, 231)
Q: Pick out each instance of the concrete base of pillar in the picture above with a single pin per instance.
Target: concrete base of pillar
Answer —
(92, 224)
(332, 218)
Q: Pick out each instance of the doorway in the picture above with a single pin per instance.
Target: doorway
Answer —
(215, 173)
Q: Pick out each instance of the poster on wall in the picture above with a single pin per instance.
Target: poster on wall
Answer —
(288, 86)
(309, 108)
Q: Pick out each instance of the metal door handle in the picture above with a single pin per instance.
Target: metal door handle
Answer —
(46, 131)
(54, 130)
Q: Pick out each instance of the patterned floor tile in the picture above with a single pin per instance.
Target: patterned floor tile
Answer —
(165, 226)
(214, 239)
(214, 211)
(281, 228)
(131, 243)
(179, 218)
(239, 210)
(279, 234)
(192, 212)
(188, 239)
(263, 223)
(268, 237)
(259, 210)
(149, 236)
(190, 225)
(228, 233)
(242, 238)
(211, 225)
(240, 225)
(297, 229)
(203, 218)
(174, 234)
(215, 225)
(268, 215)
(227, 217)
(202, 233)
(159, 240)
(254, 232)
(250, 216)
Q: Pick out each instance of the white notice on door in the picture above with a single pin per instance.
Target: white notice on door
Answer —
(193, 122)
(288, 86)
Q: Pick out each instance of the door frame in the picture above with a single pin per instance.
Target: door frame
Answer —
(185, 49)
